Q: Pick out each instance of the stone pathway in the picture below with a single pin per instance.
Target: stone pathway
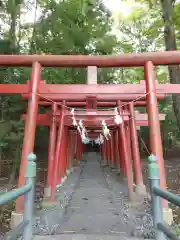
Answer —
(94, 209)
(97, 208)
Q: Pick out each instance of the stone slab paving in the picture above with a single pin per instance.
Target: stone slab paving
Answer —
(96, 208)
(48, 219)
(93, 208)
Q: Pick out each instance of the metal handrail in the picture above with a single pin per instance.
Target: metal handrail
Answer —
(162, 230)
(25, 228)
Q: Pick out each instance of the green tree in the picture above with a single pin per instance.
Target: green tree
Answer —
(170, 43)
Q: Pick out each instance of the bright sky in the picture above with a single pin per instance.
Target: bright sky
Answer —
(29, 15)
(120, 7)
(115, 6)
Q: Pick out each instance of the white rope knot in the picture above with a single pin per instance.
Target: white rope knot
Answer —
(106, 131)
(72, 111)
(83, 133)
(74, 121)
(99, 140)
(116, 111)
(118, 119)
(81, 124)
(73, 117)
(79, 130)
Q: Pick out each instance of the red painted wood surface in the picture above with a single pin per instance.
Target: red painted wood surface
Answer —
(121, 60)
(82, 90)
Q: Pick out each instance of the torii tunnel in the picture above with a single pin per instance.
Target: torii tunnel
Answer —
(121, 149)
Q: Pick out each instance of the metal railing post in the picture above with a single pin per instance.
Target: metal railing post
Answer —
(30, 177)
(156, 202)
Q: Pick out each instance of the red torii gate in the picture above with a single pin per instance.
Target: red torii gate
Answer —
(140, 120)
(36, 90)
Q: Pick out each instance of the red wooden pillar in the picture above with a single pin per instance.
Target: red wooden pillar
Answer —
(52, 144)
(101, 154)
(112, 149)
(108, 152)
(128, 165)
(73, 147)
(140, 187)
(122, 158)
(68, 149)
(153, 118)
(30, 128)
(128, 136)
(116, 150)
(105, 152)
(65, 150)
(129, 152)
(61, 160)
(62, 157)
(78, 153)
(76, 148)
(57, 155)
(80, 149)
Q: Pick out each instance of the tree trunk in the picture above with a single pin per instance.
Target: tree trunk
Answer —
(170, 42)
(12, 30)
(12, 176)
(32, 43)
(14, 10)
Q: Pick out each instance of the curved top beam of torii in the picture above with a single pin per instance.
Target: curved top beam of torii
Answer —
(121, 60)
